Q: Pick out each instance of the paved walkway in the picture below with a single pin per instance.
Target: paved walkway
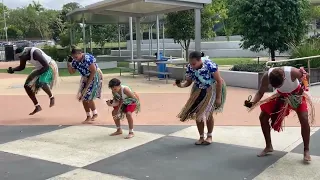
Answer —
(54, 145)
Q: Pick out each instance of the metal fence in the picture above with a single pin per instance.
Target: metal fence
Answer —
(2, 54)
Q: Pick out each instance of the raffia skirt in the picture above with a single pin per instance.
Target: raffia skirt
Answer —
(200, 105)
(50, 77)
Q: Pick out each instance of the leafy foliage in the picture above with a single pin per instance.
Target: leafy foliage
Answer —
(270, 24)
(252, 67)
(180, 25)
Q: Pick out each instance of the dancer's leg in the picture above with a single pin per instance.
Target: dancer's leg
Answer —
(200, 126)
(47, 90)
(93, 109)
(305, 132)
(117, 122)
(87, 109)
(210, 125)
(130, 123)
(33, 98)
(265, 126)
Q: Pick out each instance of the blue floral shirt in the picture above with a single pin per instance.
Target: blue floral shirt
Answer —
(203, 77)
(83, 66)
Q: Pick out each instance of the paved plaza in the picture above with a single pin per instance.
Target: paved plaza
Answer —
(54, 145)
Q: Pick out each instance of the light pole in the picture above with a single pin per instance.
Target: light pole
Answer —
(5, 22)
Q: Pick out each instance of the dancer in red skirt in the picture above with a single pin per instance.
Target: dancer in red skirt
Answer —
(290, 84)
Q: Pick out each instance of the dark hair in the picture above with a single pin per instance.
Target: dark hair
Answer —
(114, 82)
(202, 54)
(195, 55)
(19, 50)
(75, 50)
(276, 77)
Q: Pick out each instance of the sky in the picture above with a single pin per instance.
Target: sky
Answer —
(50, 4)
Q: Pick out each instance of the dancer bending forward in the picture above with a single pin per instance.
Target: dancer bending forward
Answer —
(207, 95)
(289, 96)
(124, 102)
(90, 83)
(44, 76)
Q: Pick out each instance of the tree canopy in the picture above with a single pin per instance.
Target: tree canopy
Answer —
(270, 24)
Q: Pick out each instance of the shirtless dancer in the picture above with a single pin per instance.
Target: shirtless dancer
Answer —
(289, 96)
(44, 75)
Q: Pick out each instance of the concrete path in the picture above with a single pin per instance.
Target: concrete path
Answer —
(54, 145)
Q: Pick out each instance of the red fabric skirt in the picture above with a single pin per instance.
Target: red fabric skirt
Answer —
(130, 108)
(269, 108)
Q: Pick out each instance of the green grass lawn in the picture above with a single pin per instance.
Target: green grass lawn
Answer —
(107, 45)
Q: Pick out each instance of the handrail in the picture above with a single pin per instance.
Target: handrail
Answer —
(309, 58)
(296, 59)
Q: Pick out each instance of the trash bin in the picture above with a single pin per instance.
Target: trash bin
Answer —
(162, 67)
(9, 52)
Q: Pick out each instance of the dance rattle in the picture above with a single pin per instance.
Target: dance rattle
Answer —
(248, 103)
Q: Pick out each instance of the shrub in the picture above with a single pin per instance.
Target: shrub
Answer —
(252, 67)
(310, 47)
(58, 54)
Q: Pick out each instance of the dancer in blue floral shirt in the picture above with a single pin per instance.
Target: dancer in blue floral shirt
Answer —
(207, 95)
(90, 83)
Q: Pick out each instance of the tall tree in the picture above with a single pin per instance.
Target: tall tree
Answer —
(101, 34)
(180, 25)
(270, 24)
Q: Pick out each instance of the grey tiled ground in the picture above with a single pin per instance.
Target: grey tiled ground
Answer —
(314, 145)
(177, 158)
(165, 158)
(15, 167)
(11, 133)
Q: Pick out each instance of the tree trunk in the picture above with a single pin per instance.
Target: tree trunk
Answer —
(273, 54)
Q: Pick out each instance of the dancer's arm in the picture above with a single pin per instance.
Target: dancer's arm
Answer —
(263, 88)
(93, 70)
(186, 84)
(219, 81)
(129, 93)
(21, 66)
(298, 74)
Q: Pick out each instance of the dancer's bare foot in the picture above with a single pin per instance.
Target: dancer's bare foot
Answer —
(207, 141)
(37, 109)
(87, 121)
(130, 135)
(266, 151)
(306, 156)
(118, 132)
(52, 102)
(200, 141)
(94, 117)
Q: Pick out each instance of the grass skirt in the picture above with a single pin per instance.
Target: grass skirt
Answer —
(50, 77)
(200, 105)
(94, 90)
(289, 103)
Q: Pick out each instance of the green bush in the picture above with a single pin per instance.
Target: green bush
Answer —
(310, 47)
(58, 54)
(252, 67)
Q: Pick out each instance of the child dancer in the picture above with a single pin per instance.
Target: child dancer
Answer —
(124, 102)
(207, 95)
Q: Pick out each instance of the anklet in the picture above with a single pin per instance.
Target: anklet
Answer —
(88, 114)
(95, 112)
(209, 134)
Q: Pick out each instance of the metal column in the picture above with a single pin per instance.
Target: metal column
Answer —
(131, 37)
(197, 23)
(84, 35)
(158, 43)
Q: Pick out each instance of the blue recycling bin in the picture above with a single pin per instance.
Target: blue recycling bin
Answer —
(161, 67)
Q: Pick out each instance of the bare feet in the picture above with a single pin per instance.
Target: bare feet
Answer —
(266, 151)
(87, 121)
(200, 141)
(52, 102)
(208, 141)
(130, 135)
(94, 117)
(306, 156)
(37, 109)
(118, 132)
